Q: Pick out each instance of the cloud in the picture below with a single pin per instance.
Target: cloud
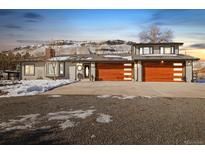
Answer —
(12, 26)
(198, 46)
(32, 21)
(33, 17)
(6, 12)
(178, 17)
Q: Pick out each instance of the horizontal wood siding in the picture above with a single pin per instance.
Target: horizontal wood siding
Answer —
(113, 71)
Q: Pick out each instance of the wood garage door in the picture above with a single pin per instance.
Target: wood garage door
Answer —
(114, 71)
(159, 71)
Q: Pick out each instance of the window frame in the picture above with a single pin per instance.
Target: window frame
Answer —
(47, 69)
(172, 49)
(25, 74)
(60, 69)
(150, 50)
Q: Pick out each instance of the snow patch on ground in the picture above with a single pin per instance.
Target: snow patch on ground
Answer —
(123, 97)
(104, 118)
(67, 124)
(104, 96)
(66, 117)
(25, 122)
(148, 96)
(55, 96)
(32, 87)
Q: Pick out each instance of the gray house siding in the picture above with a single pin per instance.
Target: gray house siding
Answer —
(71, 71)
(93, 70)
(39, 71)
(189, 71)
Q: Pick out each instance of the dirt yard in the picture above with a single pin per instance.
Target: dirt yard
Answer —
(106, 119)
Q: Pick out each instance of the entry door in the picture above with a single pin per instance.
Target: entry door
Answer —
(86, 71)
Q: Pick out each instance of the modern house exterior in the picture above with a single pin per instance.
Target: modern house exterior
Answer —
(147, 62)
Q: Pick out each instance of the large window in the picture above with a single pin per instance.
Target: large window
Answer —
(52, 68)
(29, 69)
(166, 50)
(62, 68)
(146, 50)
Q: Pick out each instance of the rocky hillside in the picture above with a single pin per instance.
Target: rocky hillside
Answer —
(76, 47)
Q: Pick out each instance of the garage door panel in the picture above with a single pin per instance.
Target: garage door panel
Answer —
(113, 71)
(162, 72)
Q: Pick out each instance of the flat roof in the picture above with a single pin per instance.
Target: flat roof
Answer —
(162, 43)
(112, 58)
(164, 57)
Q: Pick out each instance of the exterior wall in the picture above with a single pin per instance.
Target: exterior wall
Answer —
(189, 71)
(39, 72)
(78, 72)
(70, 71)
(139, 71)
(135, 71)
(56, 64)
(93, 70)
(156, 49)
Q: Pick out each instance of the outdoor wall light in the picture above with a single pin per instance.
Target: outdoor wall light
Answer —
(189, 62)
(79, 67)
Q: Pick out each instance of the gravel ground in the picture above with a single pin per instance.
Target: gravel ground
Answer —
(56, 119)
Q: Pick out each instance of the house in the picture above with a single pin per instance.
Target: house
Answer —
(148, 62)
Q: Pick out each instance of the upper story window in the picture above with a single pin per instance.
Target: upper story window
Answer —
(146, 50)
(166, 50)
(29, 69)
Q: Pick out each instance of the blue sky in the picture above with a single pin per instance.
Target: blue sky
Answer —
(188, 25)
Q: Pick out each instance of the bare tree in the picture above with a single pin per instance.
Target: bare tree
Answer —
(155, 35)
(53, 60)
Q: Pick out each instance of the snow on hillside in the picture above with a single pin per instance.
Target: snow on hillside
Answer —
(199, 65)
(32, 87)
(65, 47)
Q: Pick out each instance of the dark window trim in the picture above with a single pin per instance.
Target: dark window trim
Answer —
(47, 69)
(151, 50)
(63, 69)
(163, 47)
(25, 70)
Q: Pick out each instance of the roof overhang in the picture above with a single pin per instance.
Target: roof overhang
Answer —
(163, 44)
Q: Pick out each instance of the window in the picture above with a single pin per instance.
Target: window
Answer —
(146, 50)
(141, 51)
(29, 69)
(166, 50)
(51, 68)
(61, 68)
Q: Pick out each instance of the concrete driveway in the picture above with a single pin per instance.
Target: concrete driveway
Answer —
(154, 89)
